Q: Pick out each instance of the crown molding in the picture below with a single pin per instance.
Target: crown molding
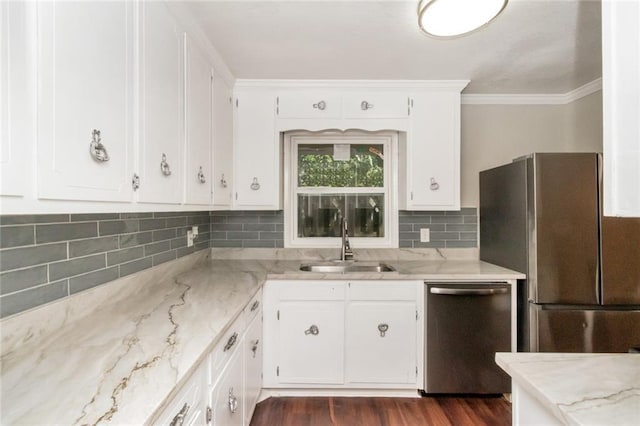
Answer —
(534, 99)
(352, 84)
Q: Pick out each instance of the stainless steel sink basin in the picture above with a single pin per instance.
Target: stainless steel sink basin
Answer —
(344, 267)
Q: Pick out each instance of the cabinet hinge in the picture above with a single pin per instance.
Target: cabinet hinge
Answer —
(135, 181)
(236, 102)
(277, 105)
(237, 197)
(209, 414)
(278, 315)
(411, 195)
(230, 100)
(416, 371)
(278, 371)
(408, 106)
(416, 315)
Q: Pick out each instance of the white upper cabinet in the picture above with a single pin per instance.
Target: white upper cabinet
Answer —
(222, 175)
(430, 158)
(161, 145)
(16, 97)
(199, 113)
(85, 100)
(621, 107)
(257, 162)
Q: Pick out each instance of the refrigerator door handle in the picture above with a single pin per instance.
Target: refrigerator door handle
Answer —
(468, 291)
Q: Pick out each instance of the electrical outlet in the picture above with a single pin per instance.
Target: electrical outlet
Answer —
(190, 238)
(424, 235)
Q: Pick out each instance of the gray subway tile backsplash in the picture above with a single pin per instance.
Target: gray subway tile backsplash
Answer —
(47, 257)
(450, 229)
(16, 236)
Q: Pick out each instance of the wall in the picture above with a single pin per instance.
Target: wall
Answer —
(496, 134)
(48, 257)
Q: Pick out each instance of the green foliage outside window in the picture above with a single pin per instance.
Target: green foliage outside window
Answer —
(317, 167)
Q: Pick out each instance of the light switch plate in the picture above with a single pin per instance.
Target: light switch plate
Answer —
(424, 235)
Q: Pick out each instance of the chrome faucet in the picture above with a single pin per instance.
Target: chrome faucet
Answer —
(345, 252)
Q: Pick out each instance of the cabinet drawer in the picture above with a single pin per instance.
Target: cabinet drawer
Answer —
(253, 308)
(225, 348)
(313, 290)
(383, 290)
(376, 105)
(187, 404)
(309, 104)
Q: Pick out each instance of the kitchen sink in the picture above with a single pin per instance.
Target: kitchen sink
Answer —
(346, 267)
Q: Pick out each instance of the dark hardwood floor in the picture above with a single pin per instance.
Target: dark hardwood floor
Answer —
(440, 410)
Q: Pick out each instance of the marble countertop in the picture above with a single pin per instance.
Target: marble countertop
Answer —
(118, 352)
(580, 389)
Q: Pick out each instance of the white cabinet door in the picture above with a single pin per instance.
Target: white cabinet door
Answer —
(222, 176)
(379, 104)
(199, 115)
(433, 153)
(256, 152)
(311, 344)
(161, 152)
(17, 88)
(252, 366)
(85, 83)
(381, 342)
(309, 104)
(225, 398)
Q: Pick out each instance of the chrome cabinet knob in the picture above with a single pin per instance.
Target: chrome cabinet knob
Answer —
(313, 330)
(255, 185)
(433, 185)
(320, 105)
(364, 105)
(164, 166)
(97, 150)
(201, 177)
(178, 420)
(383, 328)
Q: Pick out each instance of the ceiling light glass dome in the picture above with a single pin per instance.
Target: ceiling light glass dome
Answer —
(453, 18)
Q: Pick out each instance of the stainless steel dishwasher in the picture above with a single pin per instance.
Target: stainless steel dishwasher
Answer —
(467, 323)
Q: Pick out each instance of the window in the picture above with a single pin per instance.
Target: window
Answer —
(336, 175)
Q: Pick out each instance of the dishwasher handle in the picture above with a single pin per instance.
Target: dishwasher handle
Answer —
(468, 291)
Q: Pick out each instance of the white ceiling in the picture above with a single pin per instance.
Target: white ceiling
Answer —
(534, 47)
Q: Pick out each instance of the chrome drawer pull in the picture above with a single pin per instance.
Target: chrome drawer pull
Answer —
(201, 177)
(178, 420)
(233, 402)
(254, 348)
(255, 306)
(230, 342)
(164, 166)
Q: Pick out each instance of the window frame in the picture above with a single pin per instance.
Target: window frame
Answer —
(389, 140)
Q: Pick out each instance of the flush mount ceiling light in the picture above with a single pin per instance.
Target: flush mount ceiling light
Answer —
(452, 18)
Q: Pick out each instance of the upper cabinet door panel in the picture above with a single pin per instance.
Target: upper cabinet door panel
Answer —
(199, 115)
(256, 153)
(222, 178)
(162, 119)
(309, 104)
(85, 83)
(433, 152)
(16, 96)
(378, 104)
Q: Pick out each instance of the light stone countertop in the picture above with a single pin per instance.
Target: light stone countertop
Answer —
(117, 353)
(580, 389)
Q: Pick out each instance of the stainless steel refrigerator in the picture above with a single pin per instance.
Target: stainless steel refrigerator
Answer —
(542, 215)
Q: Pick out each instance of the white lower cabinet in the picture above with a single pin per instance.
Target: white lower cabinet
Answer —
(311, 342)
(252, 365)
(381, 342)
(340, 334)
(225, 387)
(225, 399)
